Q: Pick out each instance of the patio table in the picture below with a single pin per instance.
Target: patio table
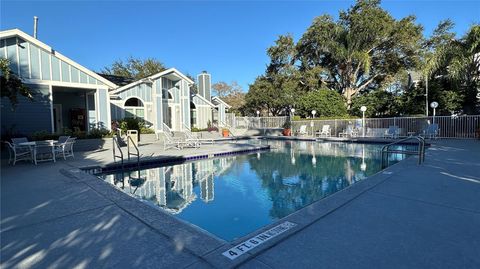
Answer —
(43, 147)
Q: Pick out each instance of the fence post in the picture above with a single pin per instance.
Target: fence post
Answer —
(335, 128)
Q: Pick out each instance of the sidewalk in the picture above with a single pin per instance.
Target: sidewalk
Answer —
(409, 216)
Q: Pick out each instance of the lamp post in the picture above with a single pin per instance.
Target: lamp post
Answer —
(434, 105)
(258, 113)
(363, 109)
(293, 112)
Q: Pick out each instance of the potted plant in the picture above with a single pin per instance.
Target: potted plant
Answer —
(287, 128)
(225, 132)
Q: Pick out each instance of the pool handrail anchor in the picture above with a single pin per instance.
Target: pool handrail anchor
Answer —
(420, 152)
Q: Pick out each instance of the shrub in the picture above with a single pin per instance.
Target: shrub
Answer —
(43, 135)
(326, 102)
(98, 133)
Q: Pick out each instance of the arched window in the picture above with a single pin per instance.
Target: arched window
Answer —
(134, 108)
(133, 102)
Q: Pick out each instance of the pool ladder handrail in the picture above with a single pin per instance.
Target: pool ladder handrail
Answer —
(116, 144)
(129, 138)
(420, 152)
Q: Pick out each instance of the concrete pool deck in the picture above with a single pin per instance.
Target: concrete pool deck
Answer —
(407, 216)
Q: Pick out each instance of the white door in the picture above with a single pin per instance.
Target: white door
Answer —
(57, 119)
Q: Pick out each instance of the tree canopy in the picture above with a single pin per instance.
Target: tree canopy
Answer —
(134, 68)
(231, 93)
(363, 49)
(11, 86)
(326, 103)
(366, 55)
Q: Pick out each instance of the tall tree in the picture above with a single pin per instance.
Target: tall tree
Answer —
(455, 64)
(11, 86)
(223, 89)
(363, 49)
(264, 95)
(231, 93)
(134, 68)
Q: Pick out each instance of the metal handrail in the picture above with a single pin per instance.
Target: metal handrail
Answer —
(129, 138)
(115, 156)
(420, 152)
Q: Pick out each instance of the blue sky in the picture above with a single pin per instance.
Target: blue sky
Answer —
(226, 38)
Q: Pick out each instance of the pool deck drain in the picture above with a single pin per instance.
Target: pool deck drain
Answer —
(415, 217)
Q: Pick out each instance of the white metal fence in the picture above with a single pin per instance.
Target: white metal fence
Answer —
(449, 127)
(255, 122)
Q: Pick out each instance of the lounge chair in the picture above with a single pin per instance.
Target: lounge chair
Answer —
(392, 132)
(351, 131)
(173, 142)
(19, 153)
(431, 131)
(302, 130)
(191, 140)
(326, 131)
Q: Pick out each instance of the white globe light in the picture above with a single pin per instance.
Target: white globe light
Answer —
(314, 112)
(363, 108)
(258, 112)
(433, 104)
(293, 110)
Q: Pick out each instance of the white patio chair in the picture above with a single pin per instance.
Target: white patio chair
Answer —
(65, 149)
(18, 153)
(431, 131)
(302, 130)
(350, 131)
(62, 139)
(392, 132)
(19, 140)
(326, 131)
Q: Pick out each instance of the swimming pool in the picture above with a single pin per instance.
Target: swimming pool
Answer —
(233, 196)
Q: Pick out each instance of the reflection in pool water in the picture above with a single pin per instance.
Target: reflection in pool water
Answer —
(233, 196)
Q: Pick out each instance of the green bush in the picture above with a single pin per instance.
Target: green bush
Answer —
(135, 124)
(43, 135)
(98, 133)
(327, 103)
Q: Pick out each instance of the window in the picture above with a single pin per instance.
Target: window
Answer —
(133, 102)
(134, 108)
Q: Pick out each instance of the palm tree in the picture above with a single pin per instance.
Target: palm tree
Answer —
(458, 60)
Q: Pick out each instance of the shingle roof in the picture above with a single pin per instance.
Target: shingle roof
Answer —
(119, 80)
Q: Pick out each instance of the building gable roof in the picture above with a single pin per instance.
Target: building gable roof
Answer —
(203, 99)
(217, 99)
(17, 32)
(153, 77)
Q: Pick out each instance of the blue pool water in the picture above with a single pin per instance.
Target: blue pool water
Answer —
(233, 196)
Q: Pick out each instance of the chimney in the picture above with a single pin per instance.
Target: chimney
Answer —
(35, 25)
